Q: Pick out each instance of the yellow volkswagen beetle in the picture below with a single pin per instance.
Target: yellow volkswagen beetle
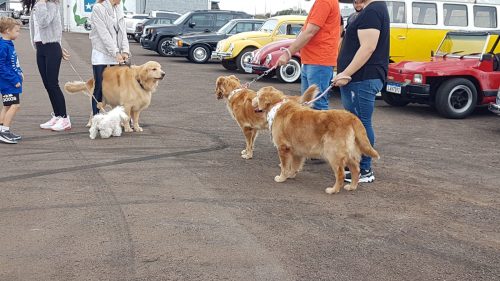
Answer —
(236, 51)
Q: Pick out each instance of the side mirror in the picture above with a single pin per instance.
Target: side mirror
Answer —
(192, 24)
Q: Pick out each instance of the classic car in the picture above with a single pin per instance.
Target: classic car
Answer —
(236, 51)
(464, 72)
(198, 47)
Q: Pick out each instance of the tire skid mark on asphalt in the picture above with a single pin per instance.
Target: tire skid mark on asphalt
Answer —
(219, 145)
(117, 227)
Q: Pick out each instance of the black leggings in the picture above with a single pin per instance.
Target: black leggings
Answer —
(98, 71)
(48, 59)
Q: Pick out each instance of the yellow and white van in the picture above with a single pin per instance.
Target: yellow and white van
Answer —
(417, 27)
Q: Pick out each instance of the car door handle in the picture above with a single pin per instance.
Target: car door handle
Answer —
(401, 37)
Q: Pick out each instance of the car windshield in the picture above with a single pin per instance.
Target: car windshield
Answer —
(182, 18)
(226, 28)
(462, 44)
(269, 26)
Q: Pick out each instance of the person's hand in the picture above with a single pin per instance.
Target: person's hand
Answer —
(119, 58)
(18, 85)
(65, 54)
(125, 56)
(284, 58)
(341, 80)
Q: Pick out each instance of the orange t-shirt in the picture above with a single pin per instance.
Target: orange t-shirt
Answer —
(324, 46)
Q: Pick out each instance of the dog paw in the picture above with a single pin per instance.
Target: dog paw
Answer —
(128, 130)
(331, 190)
(349, 187)
(138, 129)
(88, 125)
(247, 156)
(243, 152)
(279, 178)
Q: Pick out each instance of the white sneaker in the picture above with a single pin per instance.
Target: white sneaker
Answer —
(62, 124)
(48, 125)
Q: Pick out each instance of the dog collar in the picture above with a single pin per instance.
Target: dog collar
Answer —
(234, 92)
(272, 113)
(142, 86)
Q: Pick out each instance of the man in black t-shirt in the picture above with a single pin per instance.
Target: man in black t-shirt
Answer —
(362, 68)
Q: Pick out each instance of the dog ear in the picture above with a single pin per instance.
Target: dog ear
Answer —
(234, 77)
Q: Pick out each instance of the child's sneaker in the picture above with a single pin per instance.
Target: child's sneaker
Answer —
(13, 136)
(62, 124)
(7, 138)
(364, 176)
(48, 125)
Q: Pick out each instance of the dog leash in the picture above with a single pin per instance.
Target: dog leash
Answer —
(81, 79)
(246, 85)
(307, 103)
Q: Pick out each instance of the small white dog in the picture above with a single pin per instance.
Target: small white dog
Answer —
(108, 124)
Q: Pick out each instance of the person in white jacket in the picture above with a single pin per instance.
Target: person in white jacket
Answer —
(109, 42)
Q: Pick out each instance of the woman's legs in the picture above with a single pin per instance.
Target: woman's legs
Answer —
(49, 63)
(98, 71)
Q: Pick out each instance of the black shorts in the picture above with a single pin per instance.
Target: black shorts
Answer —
(10, 99)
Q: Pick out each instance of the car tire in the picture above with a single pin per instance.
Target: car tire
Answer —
(456, 98)
(244, 56)
(289, 73)
(394, 99)
(199, 54)
(229, 65)
(137, 38)
(164, 48)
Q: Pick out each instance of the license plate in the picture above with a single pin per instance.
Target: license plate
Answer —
(393, 88)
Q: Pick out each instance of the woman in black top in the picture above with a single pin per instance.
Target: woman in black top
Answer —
(362, 68)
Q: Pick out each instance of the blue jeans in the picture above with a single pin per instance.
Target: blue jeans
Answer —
(359, 98)
(320, 75)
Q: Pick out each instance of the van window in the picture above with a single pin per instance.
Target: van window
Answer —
(424, 13)
(485, 16)
(455, 15)
(201, 20)
(397, 11)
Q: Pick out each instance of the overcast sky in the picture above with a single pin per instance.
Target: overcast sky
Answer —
(261, 6)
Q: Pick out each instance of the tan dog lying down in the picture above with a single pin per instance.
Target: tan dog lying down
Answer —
(298, 132)
(239, 104)
(130, 87)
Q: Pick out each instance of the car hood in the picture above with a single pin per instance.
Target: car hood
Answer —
(438, 66)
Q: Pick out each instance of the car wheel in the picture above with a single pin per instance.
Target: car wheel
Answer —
(244, 57)
(137, 38)
(229, 65)
(164, 48)
(456, 98)
(289, 73)
(199, 54)
(394, 99)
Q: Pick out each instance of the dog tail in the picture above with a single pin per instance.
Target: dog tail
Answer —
(80, 87)
(363, 141)
(309, 94)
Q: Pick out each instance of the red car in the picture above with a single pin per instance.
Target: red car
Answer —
(266, 57)
(463, 73)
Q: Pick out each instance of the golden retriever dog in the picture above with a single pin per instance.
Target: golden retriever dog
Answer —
(239, 104)
(130, 87)
(299, 132)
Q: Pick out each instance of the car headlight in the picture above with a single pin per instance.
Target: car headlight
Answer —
(417, 79)
(231, 48)
(268, 60)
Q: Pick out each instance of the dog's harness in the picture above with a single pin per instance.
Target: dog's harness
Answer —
(272, 114)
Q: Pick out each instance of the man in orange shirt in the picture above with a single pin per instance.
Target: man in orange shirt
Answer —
(318, 44)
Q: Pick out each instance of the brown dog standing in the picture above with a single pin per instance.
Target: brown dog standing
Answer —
(298, 132)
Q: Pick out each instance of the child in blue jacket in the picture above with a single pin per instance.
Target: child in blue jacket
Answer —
(11, 78)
